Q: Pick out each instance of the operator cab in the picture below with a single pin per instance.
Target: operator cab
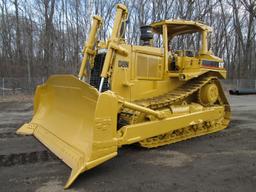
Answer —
(186, 59)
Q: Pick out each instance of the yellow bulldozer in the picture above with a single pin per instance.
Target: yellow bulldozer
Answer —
(143, 94)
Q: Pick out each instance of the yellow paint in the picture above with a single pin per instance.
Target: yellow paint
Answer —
(79, 124)
(88, 51)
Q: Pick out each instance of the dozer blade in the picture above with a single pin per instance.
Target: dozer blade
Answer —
(75, 122)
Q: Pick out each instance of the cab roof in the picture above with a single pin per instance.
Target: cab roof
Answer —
(180, 27)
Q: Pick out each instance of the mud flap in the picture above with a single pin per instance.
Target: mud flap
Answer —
(75, 122)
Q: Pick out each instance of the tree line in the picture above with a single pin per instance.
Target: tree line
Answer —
(42, 37)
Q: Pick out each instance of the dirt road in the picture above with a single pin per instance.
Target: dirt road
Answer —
(224, 161)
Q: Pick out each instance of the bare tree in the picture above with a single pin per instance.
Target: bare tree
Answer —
(42, 37)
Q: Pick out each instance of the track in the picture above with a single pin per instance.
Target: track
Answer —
(223, 161)
(189, 92)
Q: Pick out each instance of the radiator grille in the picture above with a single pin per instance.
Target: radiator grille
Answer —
(149, 67)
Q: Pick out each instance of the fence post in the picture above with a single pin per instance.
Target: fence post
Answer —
(3, 86)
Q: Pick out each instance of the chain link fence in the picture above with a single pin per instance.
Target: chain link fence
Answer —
(16, 86)
(239, 84)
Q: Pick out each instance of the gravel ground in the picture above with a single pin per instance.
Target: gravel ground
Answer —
(223, 161)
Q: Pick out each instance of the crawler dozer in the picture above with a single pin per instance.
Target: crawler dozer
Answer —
(143, 94)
